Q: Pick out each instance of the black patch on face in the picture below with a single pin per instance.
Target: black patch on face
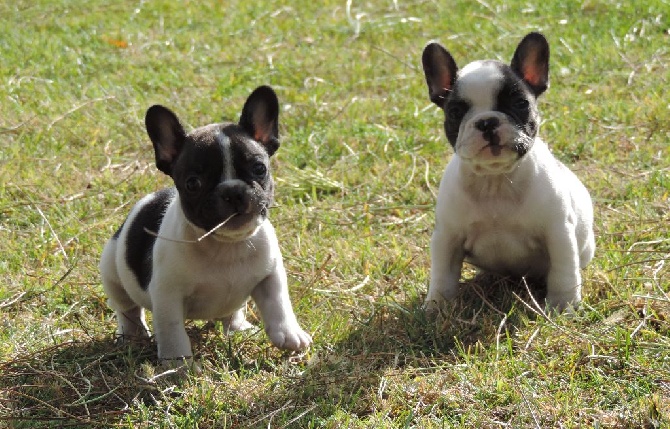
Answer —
(197, 171)
(517, 102)
(455, 109)
(213, 200)
(139, 243)
(252, 165)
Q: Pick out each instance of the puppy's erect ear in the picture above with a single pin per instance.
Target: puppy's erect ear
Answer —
(166, 134)
(531, 62)
(440, 70)
(260, 118)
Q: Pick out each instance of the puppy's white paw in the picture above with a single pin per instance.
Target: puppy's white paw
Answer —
(131, 328)
(234, 324)
(239, 326)
(131, 339)
(290, 337)
(432, 306)
(435, 299)
(562, 302)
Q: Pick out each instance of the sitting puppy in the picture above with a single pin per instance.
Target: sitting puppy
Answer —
(505, 204)
(201, 249)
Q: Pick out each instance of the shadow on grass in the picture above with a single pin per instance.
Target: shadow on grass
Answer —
(103, 383)
(74, 384)
(399, 342)
(95, 383)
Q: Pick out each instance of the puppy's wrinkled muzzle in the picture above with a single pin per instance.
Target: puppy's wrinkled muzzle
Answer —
(241, 209)
(490, 144)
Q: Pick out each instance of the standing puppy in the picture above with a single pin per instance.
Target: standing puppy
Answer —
(201, 249)
(505, 203)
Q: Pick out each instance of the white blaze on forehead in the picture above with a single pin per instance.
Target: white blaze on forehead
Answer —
(479, 83)
(228, 170)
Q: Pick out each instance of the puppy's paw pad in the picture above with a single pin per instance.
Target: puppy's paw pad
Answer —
(290, 338)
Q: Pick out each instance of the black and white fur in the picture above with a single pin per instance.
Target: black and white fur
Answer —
(505, 203)
(159, 260)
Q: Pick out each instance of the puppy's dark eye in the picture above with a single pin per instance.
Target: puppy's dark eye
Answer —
(520, 104)
(193, 184)
(259, 170)
(456, 111)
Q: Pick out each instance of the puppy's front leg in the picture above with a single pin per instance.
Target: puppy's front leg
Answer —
(564, 280)
(271, 297)
(446, 257)
(168, 321)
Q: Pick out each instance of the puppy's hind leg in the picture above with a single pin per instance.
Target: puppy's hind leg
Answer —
(132, 324)
(588, 250)
(129, 316)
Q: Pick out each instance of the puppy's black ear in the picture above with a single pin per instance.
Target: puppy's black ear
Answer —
(166, 134)
(531, 62)
(260, 118)
(440, 70)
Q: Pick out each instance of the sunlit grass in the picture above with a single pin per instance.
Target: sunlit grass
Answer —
(361, 157)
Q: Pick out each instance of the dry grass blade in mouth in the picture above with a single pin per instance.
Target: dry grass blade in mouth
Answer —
(211, 231)
(199, 239)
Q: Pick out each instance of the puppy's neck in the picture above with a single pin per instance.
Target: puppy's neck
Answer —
(509, 186)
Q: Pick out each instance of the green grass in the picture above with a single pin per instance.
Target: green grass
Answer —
(361, 158)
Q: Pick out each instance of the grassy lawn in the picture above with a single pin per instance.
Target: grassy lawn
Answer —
(362, 154)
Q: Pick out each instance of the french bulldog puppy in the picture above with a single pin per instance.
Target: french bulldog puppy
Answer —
(505, 203)
(199, 250)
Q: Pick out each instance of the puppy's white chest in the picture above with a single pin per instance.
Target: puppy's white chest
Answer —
(495, 218)
(504, 247)
(215, 279)
(218, 293)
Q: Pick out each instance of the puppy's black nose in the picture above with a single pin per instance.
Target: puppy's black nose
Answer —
(236, 196)
(487, 125)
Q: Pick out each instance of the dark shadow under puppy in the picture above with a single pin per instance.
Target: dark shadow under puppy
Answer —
(486, 304)
(499, 293)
